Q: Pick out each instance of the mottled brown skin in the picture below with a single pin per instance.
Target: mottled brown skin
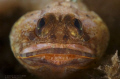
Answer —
(59, 46)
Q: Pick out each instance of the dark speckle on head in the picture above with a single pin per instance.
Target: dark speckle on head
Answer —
(35, 20)
(77, 12)
(48, 6)
(87, 15)
(52, 36)
(32, 14)
(86, 37)
(60, 18)
(65, 37)
(31, 36)
(59, 3)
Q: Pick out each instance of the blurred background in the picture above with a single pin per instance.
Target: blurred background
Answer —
(11, 10)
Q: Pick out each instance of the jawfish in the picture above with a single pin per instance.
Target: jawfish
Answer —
(62, 36)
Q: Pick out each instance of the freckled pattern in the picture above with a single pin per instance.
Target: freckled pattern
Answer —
(58, 46)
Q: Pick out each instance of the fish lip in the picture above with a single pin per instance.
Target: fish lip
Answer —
(59, 59)
(44, 46)
(82, 53)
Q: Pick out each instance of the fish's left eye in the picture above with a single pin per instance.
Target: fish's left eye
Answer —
(78, 25)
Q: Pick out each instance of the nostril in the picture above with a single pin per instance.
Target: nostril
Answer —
(86, 37)
(52, 36)
(65, 37)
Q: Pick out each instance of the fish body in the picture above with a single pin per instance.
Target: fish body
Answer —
(64, 36)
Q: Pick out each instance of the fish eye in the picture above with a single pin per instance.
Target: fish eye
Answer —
(40, 25)
(78, 25)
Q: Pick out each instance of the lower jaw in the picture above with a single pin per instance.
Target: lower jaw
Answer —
(57, 60)
(53, 63)
(57, 57)
(57, 64)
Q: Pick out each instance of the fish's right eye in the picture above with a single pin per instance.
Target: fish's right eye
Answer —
(40, 25)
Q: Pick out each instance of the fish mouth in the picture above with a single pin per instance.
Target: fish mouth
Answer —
(57, 54)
